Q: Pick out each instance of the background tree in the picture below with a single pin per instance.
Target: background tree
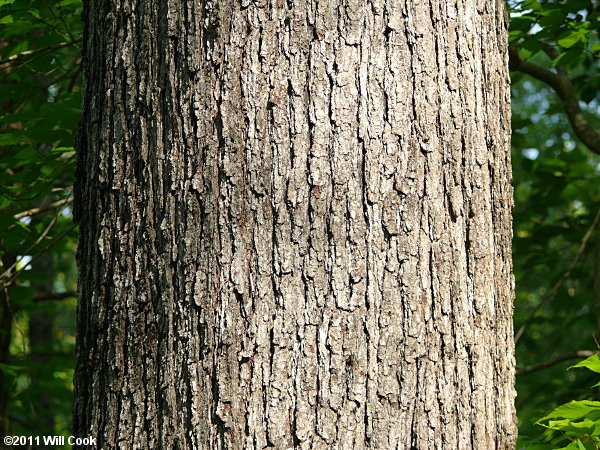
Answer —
(554, 54)
(39, 110)
(295, 226)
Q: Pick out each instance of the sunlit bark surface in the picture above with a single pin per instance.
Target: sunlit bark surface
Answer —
(295, 225)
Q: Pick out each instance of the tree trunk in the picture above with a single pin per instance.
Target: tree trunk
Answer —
(6, 320)
(41, 338)
(295, 225)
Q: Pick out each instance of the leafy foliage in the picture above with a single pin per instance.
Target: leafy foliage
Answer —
(565, 30)
(557, 199)
(39, 112)
(557, 196)
(574, 425)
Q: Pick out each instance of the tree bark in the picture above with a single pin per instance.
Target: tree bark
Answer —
(6, 320)
(41, 337)
(295, 223)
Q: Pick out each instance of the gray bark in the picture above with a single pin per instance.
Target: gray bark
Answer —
(295, 225)
(41, 336)
(6, 318)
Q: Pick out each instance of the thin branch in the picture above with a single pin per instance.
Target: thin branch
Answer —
(6, 277)
(548, 295)
(50, 207)
(21, 55)
(44, 296)
(64, 188)
(7, 272)
(61, 18)
(544, 365)
(562, 85)
(57, 239)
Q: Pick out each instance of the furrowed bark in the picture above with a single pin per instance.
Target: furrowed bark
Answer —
(295, 225)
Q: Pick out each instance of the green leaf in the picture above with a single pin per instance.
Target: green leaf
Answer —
(574, 6)
(529, 48)
(554, 17)
(569, 39)
(586, 427)
(592, 363)
(65, 3)
(573, 410)
(62, 150)
(12, 137)
(515, 35)
(588, 93)
(532, 4)
(521, 23)
(20, 294)
(10, 369)
(567, 57)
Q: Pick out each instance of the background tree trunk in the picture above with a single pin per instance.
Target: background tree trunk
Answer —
(41, 337)
(295, 225)
(6, 321)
